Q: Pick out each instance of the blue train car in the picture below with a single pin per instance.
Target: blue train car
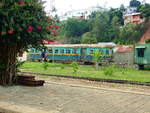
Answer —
(73, 52)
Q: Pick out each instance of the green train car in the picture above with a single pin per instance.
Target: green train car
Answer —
(142, 55)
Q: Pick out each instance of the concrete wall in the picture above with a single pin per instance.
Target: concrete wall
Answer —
(124, 59)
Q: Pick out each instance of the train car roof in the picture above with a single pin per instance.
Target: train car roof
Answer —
(81, 46)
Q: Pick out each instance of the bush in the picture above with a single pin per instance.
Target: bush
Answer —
(109, 70)
(75, 66)
(45, 65)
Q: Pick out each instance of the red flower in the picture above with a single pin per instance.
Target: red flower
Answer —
(57, 27)
(10, 31)
(51, 26)
(21, 2)
(39, 27)
(30, 28)
(55, 33)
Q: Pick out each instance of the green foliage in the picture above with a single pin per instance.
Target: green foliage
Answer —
(145, 11)
(109, 70)
(45, 65)
(62, 66)
(75, 66)
(131, 33)
(88, 39)
(75, 27)
(106, 26)
(97, 56)
(123, 70)
(23, 24)
(19, 64)
(88, 71)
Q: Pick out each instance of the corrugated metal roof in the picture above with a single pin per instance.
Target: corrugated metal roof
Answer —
(50, 42)
(123, 49)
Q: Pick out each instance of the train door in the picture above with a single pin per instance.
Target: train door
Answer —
(140, 56)
(83, 54)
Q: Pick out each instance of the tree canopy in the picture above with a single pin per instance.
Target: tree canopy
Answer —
(135, 3)
(106, 25)
(145, 11)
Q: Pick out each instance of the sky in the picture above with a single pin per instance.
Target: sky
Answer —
(63, 6)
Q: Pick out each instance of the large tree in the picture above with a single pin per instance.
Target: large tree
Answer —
(23, 24)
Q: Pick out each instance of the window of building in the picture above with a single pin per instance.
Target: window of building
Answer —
(140, 52)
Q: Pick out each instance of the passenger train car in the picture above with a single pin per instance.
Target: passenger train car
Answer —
(73, 52)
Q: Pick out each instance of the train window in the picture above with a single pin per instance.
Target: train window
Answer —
(56, 50)
(62, 51)
(50, 51)
(75, 51)
(140, 52)
(68, 51)
(91, 51)
(107, 51)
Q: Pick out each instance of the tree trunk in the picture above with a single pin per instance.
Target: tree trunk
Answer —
(8, 56)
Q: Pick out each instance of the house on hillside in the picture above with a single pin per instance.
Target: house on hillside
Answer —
(132, 16)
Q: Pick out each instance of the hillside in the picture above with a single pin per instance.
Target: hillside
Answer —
(146, 35)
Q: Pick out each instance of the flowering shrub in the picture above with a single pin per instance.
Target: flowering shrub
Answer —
(23, 25)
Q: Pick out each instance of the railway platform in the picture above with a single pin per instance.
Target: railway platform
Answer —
(61, 97)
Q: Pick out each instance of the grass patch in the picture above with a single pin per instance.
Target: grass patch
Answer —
(87, 71)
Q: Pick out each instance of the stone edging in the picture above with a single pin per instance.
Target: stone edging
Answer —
(94, 79)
